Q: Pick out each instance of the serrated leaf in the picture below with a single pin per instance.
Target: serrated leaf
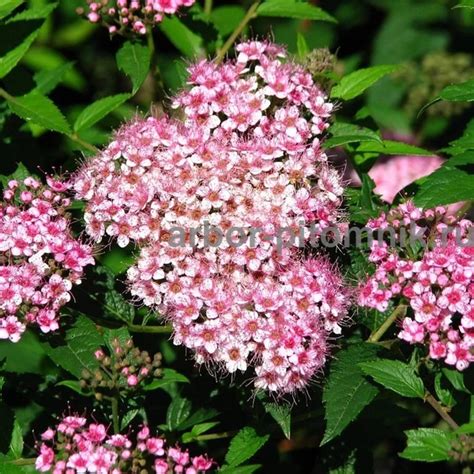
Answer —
(98, 110)
(73, 385)
(134, 60)
(178, 411)
(169, 376)
(121, 334)
(12, 58)
(244, 445)
(8, 6)
(463, 92)
(370, 149)
(128, 418)
(248, 469)
(19, 174)
(343, 133)
(427, 444)
(36, 13)
(199, 416)
(40, 110)
(445, 186)
(282, 415)
(442, 391)
(355, 83)
(16, 442)
(182, 37)
(227, 18)
(46, 80)
(78, 353)
(347, 392)
(467, 428)
(197, 430)
(301, 46)
(465, 4)
(7, 467)
(292, 9)
(456, 379)
(396, 376)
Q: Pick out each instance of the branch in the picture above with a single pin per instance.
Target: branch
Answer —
(400, 311)
(441, 411)
(250, 15)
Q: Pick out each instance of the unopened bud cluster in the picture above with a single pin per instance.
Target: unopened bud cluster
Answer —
(134, 16)
(123, 368)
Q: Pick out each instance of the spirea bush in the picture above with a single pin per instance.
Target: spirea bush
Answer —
(236, 237)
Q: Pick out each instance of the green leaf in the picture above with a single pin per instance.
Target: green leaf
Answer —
(169, 376)
(197, 430)
(357, 82)
(463, 92)
(396, 376)
(182, 37)
(82, 340)
(19, 174)
(199, 416)
(293, 9)
(47, 79)
(8, 6)
(445, 186)
(129, 417)
(6, 466)
(248, 469)
(370, 150)
(12, 58)
(467, 428)
(244, 445)
(227, 18)
(134, 60)
(427, 444)
(16, 442)
(41, 58)
(178, 411)
(73, 385)
(301, 46)
(465, 4)
(282, 415)
(98, 110)
(26, 356)
(40, 110)
(347, 392)
(36, 13)
(443, 393)
(456, 379)
(343, 133)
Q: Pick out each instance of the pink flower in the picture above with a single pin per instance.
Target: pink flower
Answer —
(11, 328)
(435, 283)
(89, 448)
(43, 258)
(45, 459)
(245, 155)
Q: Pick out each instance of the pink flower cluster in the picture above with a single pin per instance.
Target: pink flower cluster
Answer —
(436, 282)
(134, 15)
(393, 174)
(76, 446)
(246, 154)
(40, 259)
